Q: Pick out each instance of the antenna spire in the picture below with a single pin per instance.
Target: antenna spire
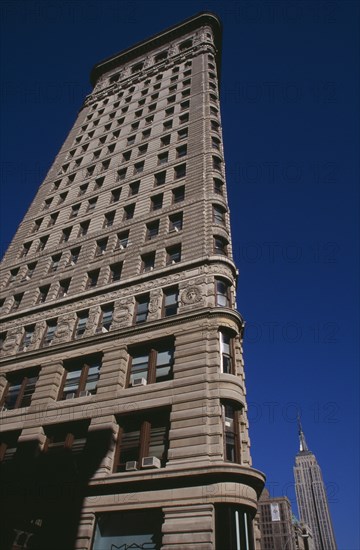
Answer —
(303, 445)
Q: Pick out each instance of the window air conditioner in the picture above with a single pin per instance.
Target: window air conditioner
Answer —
(70, 395)
(102, 252)
(72, 263)
(139, 382)
(84, 393)
(151, 462)
(176, 229)
(3, 408)
(131, 466)
(121, 246)
(173, 262)
(104, 330)
(228, 422)
(25, 348)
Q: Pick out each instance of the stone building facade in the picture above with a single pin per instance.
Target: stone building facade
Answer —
(123, 403)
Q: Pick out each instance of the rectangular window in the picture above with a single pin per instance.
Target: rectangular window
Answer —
(142, 149)
(63, 288)
(42, 243)
(147, 262)
(180, 171)
(176, 222)
(170, 302)
(115, 195)
(129, 211)
(65, 438)
(93, 277)
(143, 442)
(152, 230)
(157, 202)
(134, 188)
(218, 214)
(151, 363)
(52, 219)
(141, 309)
(123, 240)
(91, 204)
(163, 158)
(16, 301)
(25, 249)
(167, 125)
(226, 352)
(65, 236)
(181, 151)
(101, 247)
(139, 167)
(29, 272)
(74, 256)
(82, 321)
(106, 318)
(19, 389)
(84, 227)
(165, 140)
(146, 134)
(234, 528)
(121, 174)
(27, 338)
(55, 260)
(43, 292)
(230, 415)
(50, 332)
(222, 293)
(220, 245)
(115, 272)
(83, 189)
(218, 187)
(160, 178)
(178, 194)
(173, 254)
(109, 219)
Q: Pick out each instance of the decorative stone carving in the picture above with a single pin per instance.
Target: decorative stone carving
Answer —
(92, 321)
(191, 295)
(12, 341)
(122, 313)
(64, 328)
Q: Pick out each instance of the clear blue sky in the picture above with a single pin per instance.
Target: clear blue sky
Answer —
(290, 122)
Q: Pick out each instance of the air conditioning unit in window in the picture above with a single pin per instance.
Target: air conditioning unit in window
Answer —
(84, 393)
(131, 466)
(151, 462)
(228, 422)
(25, 348)
(139, 382)
(3, 408)
(173, 262)
(104, 330)
(176, 229)
(70, 395)
(102, 252)
(72, 263)
(121, 246)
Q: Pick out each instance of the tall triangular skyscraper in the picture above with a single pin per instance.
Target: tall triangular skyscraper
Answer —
(122, 388)
(311, 496)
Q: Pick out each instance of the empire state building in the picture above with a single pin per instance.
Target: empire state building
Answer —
(311, 497)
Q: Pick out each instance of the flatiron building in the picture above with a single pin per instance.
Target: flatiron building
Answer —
(123, 405)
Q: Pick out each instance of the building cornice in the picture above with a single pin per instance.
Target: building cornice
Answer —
(156, 41)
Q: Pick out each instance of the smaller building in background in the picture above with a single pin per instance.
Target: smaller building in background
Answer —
(275, 523)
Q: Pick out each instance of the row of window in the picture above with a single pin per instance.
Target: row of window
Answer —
(148, 120)
(147, 260)
(148, 364)
(219, 213)
(142, 303)
(165, 140)
(156, 202)
(143, 439)
(100, 117)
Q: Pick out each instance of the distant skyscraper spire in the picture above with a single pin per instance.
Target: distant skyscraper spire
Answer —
(303, 445)
(311, 496)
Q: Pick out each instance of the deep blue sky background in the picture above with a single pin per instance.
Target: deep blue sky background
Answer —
(290, 123)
